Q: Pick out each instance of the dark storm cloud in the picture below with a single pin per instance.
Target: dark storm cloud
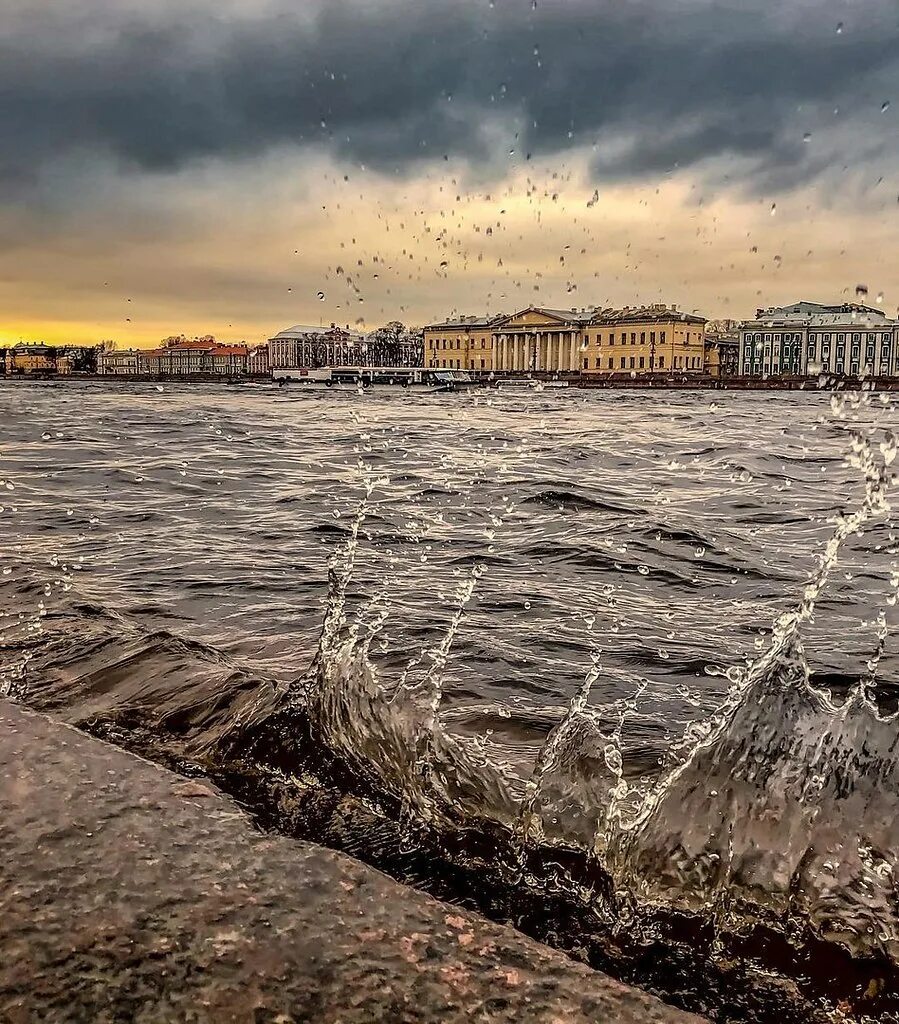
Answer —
(654, 84)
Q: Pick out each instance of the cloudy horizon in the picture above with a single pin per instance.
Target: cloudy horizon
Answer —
(217, 168)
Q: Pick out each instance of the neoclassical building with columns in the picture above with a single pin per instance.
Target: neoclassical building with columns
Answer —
(646, 339)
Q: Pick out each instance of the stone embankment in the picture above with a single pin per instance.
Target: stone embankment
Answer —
(128, 893)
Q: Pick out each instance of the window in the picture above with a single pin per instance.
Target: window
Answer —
(642, 337)
(662, 337)
(633, 337)
(661, 362)
(611, 339)
(652, 337)
(586, 364)
(483, 364)
(598, 361)
(611, 363)
(623, 338)
(642, 362)
(622, 362)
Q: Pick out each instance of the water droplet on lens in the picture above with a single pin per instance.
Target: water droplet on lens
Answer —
(321, 296)
(885, 106)
(839, 28)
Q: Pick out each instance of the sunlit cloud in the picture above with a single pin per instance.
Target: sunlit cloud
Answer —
(214, 168)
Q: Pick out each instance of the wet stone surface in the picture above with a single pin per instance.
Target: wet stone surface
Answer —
(128, 893)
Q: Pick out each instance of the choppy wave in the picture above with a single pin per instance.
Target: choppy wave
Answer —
(751, 873)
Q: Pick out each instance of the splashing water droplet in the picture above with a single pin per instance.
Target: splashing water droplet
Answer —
(885, 106)
(773, 209)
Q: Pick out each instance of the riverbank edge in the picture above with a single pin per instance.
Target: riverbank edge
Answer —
(128, 892)
(574, 380)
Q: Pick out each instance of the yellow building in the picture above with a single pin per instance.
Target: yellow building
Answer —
(632, 341)
(463, 344)
(31, 358)
(649, 339)
(538, 339)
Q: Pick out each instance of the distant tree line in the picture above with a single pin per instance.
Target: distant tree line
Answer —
(394, 344)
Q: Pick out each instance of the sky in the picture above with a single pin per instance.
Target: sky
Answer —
(235, 167)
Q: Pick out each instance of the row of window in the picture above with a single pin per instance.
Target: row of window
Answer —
(654, 337)
(623, 338)
(856, 337)
(839, 367)
(659, 363)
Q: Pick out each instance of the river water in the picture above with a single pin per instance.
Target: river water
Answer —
(634, 676)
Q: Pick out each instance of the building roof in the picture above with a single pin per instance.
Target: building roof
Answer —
(190, 346)
(657, 313)
(566, 316)
(229, 350)
(304, 330)
(461, 322)
(816, 314)
(31, 348)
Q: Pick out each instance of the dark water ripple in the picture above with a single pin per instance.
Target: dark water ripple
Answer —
(212, 514)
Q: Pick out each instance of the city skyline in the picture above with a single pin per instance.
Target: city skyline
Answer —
(214, 169)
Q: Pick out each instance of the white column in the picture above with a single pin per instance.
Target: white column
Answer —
(557, 352)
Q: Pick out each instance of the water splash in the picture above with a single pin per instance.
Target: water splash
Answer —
(779, 810)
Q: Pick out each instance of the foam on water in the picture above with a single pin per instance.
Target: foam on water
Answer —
(781, 809)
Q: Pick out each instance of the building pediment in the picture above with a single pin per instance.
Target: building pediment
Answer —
(534, 316)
